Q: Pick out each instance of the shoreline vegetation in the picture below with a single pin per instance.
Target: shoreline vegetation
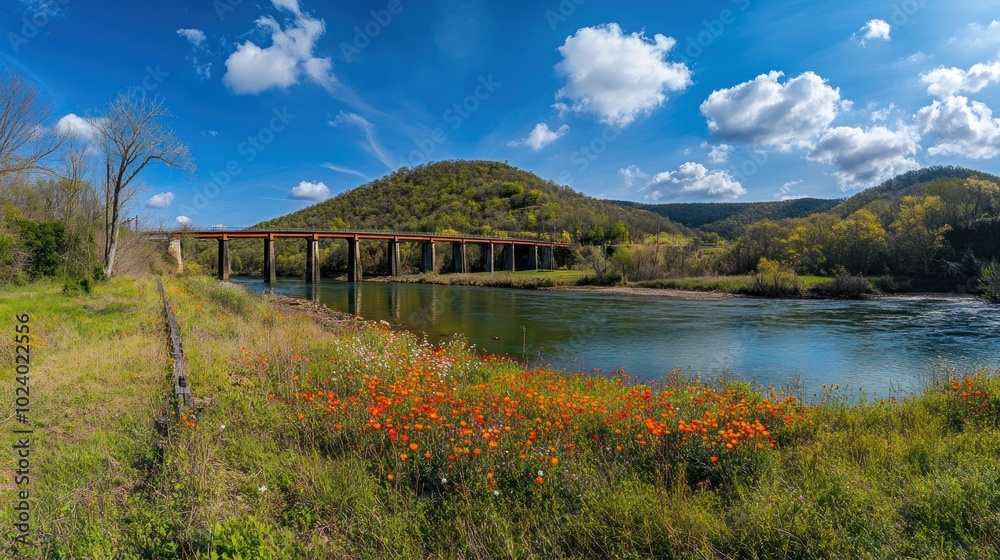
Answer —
(691, 288)
(317, 435)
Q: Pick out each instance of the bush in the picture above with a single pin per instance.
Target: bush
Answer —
(989, 281)
(845, 285)
(774, 279)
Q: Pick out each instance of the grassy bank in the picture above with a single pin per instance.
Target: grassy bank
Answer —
(519, 279)
(368, 443)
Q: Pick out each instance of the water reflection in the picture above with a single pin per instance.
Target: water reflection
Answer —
(869, 344)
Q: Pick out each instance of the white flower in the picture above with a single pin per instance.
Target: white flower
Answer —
(541, 473)
(444, 481)
(262, 489)
(222, 427)
(496, 492)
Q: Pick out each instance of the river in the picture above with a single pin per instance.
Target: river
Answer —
(882, 346)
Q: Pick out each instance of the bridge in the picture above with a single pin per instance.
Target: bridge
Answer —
(539, 253)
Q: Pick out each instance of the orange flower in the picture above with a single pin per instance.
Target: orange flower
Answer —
(539, 480)
(715, 459)
(413, 447)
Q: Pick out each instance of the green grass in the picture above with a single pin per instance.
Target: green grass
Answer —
(270, 468)
(727, 284)
(518, 279)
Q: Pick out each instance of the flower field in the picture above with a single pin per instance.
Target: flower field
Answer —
(366, 442)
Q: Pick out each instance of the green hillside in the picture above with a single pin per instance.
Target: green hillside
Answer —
(908, 183)
(730, 219)
(475, 198)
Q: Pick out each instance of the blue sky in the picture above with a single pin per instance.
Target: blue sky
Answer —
(287, 102)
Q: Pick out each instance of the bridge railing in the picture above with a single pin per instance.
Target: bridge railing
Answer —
(251, 229)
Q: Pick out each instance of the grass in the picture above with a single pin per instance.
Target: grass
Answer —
(728, 284)
(372, 443)
(518, 279)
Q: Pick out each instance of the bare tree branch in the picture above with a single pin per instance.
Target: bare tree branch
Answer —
(131, 136)
(25, 143)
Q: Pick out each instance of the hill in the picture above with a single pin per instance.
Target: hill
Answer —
(907, 183)
(475, 198)
(730, 219)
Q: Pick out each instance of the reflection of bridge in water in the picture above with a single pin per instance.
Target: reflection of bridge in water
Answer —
(538, 253)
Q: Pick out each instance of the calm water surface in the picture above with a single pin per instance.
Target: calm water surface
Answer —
(877, 345)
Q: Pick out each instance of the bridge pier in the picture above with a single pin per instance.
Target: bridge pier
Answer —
(354, 272)
(487, 257)
(507, 258)
(458, 258)
(174, 250)
(224, 259)
(312, 260)
(427, 264)
(546, 258)
(532, 257)
(270, 274)
(392, 258)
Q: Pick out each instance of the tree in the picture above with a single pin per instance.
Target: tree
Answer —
(25, 143)
(131, 136)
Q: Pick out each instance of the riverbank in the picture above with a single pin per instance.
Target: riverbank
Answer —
(345, 439)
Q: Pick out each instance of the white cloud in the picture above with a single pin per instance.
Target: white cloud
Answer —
(880, 115)
(961, 127)
(342, 169)
(78, 127)
(183, 220)
(978, 36)
(373, 147)
(631, 174)
(194, 36)
(253, 69)
(540, 136)
(720, 153)
(785, 191)
(945, 82)
(874, 29)
(694, 180)
(618, 76)
(762, 111)
(161, 200)
(43, 8)
(307, 190)
(866, 157)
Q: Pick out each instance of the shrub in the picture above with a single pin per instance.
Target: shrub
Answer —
(774, 279)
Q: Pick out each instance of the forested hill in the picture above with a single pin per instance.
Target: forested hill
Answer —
(903, 184)
(475, 198)
(730, 219)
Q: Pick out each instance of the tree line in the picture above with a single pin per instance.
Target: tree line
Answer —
(65, 192)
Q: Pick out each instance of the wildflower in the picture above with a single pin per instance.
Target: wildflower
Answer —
(715, 459)
(391, 477)
(262, 489)
(541, 473)
(222, 427)
(413, 447)
(444, 480)
(496, 492)
(539, 480)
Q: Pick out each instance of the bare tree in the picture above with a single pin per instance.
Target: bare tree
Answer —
(25, 143)
(131, 136)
